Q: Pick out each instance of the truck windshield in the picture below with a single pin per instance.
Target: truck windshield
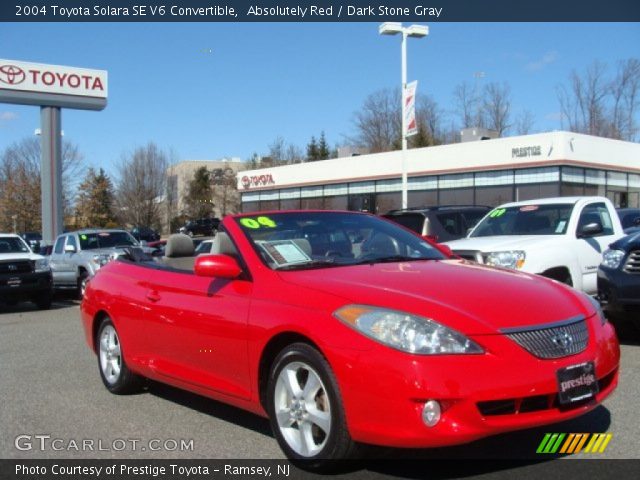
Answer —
(92, 241)
(551, 219)
(13, 245)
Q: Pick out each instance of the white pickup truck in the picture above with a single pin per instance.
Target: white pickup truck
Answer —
(561, 238)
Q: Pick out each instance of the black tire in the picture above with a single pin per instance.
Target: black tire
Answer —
(44, 300)
(337, 444)
(125, 381)
(82, 284)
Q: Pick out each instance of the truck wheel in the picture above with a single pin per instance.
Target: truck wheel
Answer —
(43, 301)
(114, 372)
(305, 408)
(83, 279)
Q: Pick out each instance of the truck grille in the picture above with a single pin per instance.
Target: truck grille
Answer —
(16, 266)
(554, 341)
(473, 255)
(632, 265)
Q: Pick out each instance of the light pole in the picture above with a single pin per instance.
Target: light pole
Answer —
(416, 31)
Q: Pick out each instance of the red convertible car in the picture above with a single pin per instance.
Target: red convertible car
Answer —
(344, 328)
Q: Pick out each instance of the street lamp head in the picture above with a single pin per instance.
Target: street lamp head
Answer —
(418, 31)
(390, 28)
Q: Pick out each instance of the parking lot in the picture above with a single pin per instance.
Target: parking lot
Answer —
(50, 386)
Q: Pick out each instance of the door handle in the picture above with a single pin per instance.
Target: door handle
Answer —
(153, 296)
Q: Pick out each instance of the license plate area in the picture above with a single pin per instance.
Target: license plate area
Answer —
(577, 383)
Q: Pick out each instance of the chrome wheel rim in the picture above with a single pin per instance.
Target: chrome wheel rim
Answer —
(83, 286)
(110, 355)
(302, 409)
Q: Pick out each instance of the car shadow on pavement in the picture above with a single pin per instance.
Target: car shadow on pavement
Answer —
(628, 333)
(211, 407)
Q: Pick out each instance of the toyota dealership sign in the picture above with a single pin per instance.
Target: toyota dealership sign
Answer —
(54, 85)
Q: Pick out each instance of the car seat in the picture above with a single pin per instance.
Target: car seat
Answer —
(222, 245)
(179, 252)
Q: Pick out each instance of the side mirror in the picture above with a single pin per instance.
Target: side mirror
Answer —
(219, 266)
(69, 249)
(444, 249)
(590, 230)
(144, 243)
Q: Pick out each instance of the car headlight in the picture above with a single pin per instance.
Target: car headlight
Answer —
(42, 265)
(406, 332)
(598, 307)
(511, 259)
(101, 260)
(612, 258)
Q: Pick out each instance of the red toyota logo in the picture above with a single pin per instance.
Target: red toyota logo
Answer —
(11, 75)
(246, 181)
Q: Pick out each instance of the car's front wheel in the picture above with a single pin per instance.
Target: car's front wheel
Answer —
(43, 300)
(114, 371)
(305, 408)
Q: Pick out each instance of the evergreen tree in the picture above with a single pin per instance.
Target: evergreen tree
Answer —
(94, 206)
(312, 150)
(323, 148)
(199, 195)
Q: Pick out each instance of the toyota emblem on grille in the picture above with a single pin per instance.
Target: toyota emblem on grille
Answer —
(11, 75)
(13, 268)
(563, 340)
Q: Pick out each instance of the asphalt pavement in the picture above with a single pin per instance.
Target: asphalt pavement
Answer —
(51, 396)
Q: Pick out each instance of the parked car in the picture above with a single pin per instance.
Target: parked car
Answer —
(629, 218)
(202, 226)
(379, 346)
(77, 256)
(24, 275)
(204, 247)
(145, 233)
(33, 239)
(561, 238)
(439, 223)
(619, 278)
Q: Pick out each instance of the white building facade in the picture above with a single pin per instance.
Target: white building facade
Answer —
(489, 172)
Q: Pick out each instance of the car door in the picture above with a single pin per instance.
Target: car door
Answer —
(59, 263)
(198, 327)
(591, 248)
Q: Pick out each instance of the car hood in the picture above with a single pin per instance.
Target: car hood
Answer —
(468, 297)
(628, 243)
(502, 242)
(19, 256)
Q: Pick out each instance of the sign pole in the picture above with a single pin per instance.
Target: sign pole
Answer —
(51, 173)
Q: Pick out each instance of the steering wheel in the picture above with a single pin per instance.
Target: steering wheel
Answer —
(333, 253)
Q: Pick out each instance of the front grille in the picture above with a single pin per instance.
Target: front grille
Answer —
(554, 341)
(16, 266)
(632, 265)
(473, 255)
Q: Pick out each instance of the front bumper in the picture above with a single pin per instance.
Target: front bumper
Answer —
(24, 285)
(384, 407)
(618, 291)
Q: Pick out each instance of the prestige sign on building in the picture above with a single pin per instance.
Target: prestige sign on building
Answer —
(55, 85)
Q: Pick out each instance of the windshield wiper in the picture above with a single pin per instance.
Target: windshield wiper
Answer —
(309, 265)
(391, 259)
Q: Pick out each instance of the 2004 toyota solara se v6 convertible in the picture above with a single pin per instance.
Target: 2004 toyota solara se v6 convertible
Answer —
(346, 329)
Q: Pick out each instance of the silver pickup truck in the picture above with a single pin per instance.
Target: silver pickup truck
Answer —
(77, 256)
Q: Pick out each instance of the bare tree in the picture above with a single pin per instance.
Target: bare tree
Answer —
(20, 189)
(625, 93)
(225, 191)
(468, 106)
(378, 122)
(496, 107)
(141, 186)
(524, 122)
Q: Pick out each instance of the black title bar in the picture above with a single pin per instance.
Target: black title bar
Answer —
(320, 11)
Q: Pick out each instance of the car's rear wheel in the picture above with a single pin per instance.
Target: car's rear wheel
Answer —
(114, 371)
(305, 408)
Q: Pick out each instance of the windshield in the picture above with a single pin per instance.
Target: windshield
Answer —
(551, 219)
(304, 240)
(92, 241)
(13, 245)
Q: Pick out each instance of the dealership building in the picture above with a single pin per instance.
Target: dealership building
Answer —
(489, 172)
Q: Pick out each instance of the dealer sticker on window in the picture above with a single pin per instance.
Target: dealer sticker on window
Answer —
(284, 252)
